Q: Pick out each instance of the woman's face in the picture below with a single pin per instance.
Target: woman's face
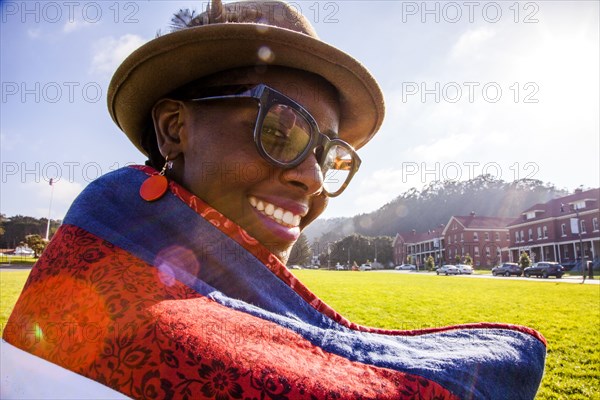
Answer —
(217, 160)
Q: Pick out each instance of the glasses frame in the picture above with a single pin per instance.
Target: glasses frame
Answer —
(266, 98)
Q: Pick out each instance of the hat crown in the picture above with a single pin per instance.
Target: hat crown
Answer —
(272, 13)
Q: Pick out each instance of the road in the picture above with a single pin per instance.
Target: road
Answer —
(565, 279)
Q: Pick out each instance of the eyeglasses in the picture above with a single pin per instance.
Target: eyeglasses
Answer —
(285, 134)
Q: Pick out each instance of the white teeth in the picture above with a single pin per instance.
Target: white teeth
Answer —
(277, 214)
(269, 209)
(288, 217)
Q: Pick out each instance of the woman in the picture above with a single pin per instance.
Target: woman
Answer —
(170, 282)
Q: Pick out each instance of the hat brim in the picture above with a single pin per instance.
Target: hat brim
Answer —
(173, 60)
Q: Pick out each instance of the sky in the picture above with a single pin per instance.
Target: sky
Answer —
(506, 88)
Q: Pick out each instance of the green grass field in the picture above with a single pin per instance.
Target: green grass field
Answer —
(568, 315)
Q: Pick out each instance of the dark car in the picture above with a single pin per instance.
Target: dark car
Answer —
(545, 269)
(507, 269)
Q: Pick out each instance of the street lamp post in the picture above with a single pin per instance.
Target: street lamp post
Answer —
(50, 208)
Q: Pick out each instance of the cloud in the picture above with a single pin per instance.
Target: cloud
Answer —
(37, 195)
(470, 42)
(34, 33)
(446, 148)
(110, 52)
(74, 25)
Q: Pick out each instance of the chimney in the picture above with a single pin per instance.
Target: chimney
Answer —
(472, 213)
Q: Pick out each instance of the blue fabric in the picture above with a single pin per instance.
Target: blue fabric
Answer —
(471, 363)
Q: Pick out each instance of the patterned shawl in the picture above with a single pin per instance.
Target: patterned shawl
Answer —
(170, 299)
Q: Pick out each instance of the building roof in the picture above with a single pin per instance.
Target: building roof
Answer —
(419, 237)
(480, 222)
(560, 207)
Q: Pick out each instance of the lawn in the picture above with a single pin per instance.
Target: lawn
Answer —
(568, 315)
(11, 284)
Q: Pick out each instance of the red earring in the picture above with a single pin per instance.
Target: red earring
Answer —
(156, 186)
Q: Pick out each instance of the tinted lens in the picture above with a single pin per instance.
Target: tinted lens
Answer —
(285, 133)
(336, 168)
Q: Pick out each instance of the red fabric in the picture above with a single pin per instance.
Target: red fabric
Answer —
(97, 310)
(274, 264)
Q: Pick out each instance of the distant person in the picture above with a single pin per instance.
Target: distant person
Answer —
(169, 280)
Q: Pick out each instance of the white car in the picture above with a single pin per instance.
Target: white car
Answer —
(447, 269)
(464, 269)
(365, 267)
(406, 267)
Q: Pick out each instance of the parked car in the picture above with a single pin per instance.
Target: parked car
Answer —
(464, 269)
(405, 267)
(365, 267)
(447, 269)
(339, 267)
(295, 267)
(507, 269)
(545, 269)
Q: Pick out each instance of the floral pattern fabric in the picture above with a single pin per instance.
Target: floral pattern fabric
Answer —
(97, 310)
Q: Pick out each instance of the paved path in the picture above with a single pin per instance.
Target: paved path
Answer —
(565, 279)
(15, 267)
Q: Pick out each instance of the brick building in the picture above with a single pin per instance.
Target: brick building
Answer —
(550, 231)
(485, 239)
(414, 248)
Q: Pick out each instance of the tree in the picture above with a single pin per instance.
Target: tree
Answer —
(301, 252)
(35, 243)
(430, 263)
(358, 248)
(17, 227)
(457, 259)
(468, 260)
(2, 219)
(524, 260)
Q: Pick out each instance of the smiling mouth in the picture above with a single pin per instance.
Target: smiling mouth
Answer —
(277, 214)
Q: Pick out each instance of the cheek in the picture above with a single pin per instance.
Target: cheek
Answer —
(318, 205)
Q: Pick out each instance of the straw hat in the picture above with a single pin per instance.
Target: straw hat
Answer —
(234, 35)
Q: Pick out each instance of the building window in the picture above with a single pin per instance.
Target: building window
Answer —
(476, 251)
(539, 232)
(595, 224)
(487, 236)
(497, 237)
(522, 236)
(487, 251)
(462, 236)
(449, 239)
(545, 232)
(475, 236)
(530, 234)
(498, 253)
(582, 225)
(516, 237)
(566, 252)
(455, 241)
(563, 230)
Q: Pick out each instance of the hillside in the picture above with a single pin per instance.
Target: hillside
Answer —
(435, 204)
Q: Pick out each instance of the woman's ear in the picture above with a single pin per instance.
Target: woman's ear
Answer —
(168, 117)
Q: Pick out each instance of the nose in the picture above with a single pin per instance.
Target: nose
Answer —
(307, 176)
